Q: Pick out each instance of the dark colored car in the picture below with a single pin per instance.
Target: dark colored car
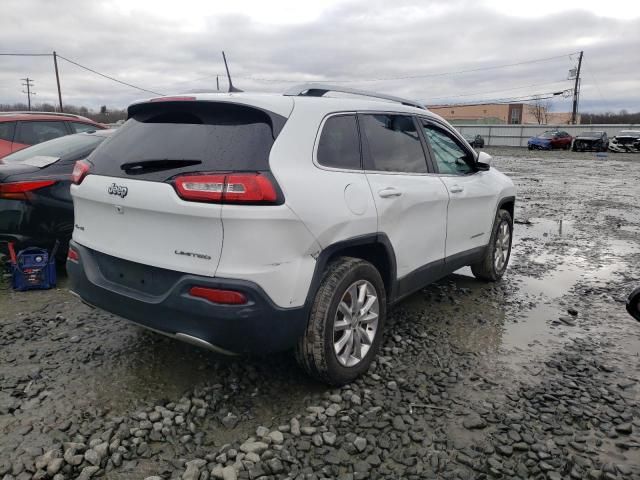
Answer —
(476, 141)
(19, 130)
(35, 203)
(550, 140)
(627, 141)
(596, 140)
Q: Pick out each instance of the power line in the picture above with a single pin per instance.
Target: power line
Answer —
(384, 79)
(410, 77)
(25, 54)
(497, 91)
(517, 99)
(109, 76)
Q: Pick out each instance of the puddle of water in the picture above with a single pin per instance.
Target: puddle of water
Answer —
(631, 228)
(530, 328)
(544, 227)
(622, 247)
(554, 285)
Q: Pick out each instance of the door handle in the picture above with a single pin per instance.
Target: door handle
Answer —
(389, 192)
(456, 189)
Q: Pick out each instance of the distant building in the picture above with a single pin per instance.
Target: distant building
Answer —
(500, 113)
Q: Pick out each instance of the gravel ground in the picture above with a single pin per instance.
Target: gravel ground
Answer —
(533, 377)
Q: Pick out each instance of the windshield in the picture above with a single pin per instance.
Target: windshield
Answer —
(187, 136)
(547, 135)
(69, 146)
(629, 133)
(591, 134)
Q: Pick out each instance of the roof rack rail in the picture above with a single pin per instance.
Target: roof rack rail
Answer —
(319, 89)
(32, 112)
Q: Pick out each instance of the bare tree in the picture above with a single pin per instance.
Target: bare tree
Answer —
(539, 109)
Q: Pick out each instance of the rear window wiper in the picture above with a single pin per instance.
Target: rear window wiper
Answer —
(146, 166)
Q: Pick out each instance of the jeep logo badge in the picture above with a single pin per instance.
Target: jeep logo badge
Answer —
(118, 190)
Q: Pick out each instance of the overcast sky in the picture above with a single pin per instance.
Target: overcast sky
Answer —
(402, 47)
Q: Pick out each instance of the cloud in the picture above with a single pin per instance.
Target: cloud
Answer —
(359, 40)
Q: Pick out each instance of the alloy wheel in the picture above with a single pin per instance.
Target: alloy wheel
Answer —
(502, 246)
(356, 323)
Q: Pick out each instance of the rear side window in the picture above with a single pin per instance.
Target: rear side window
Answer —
(394, 144)
(82, 127)
(6, 130)
(32, 133)
(189, 137)
(339, 145)
(67, 148)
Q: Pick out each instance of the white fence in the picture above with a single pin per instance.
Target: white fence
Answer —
(517, 135)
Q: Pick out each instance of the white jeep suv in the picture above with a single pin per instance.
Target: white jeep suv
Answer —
(256, 223)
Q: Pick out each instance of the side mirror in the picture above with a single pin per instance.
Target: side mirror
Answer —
(483, 161)
(633, 304)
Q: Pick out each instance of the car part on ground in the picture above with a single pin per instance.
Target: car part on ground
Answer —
(19, 130)
(627, 141)
(36, 209)
(257, 198)
(591, 140)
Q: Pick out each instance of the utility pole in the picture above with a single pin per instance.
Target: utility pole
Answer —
(576, 91)
(55, 66)
(29, 84)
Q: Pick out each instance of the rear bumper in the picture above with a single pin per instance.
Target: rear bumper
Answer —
(258, 326)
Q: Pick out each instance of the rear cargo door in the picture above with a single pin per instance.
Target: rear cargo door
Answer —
(127, 205)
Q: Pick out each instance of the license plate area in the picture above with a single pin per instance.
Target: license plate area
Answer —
(135, 276)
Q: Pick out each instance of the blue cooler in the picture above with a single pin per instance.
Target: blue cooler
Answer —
(33, 269)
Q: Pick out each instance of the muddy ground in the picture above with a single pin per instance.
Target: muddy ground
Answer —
(532, 377)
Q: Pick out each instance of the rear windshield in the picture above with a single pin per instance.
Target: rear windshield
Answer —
(168, 138)
(71, 147)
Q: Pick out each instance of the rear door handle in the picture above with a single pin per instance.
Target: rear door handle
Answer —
(389, 192)
(456, 189)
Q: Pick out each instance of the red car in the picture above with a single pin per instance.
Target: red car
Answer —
(550, 140)
(22, 129)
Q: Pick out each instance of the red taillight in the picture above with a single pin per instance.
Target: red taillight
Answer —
(249, 187)
(72, 255)
(227, 188)
(80, 170)
(19, 190)
(215, 295)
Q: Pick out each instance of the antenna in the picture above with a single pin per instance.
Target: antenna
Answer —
(231, 87)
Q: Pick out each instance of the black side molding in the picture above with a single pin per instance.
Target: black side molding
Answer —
(346, 245)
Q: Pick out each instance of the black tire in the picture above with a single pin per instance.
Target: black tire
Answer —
(530, 147)
(486, 269)
(315, 349)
